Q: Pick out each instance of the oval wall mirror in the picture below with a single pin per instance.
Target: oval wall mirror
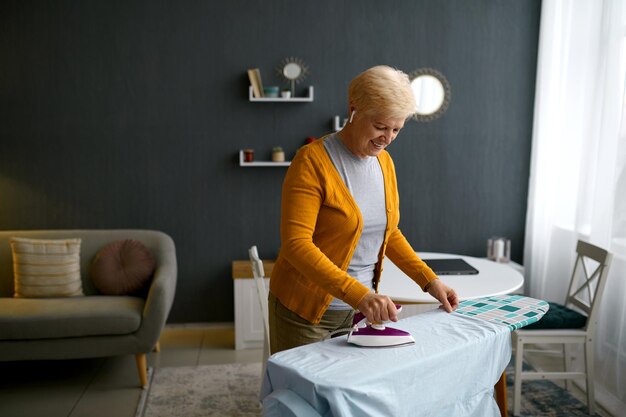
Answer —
(432, 93)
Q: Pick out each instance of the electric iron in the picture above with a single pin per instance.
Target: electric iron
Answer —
(368, 334)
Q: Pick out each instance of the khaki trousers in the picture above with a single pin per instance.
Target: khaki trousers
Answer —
(288, 330)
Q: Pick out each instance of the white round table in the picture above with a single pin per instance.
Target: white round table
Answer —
(493, 278)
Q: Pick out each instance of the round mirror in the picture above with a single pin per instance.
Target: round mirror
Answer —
(292, 71)
(432, 94)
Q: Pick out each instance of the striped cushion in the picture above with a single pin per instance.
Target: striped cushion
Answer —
(46, 268)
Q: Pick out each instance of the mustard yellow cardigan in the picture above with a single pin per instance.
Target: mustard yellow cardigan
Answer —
(320, 228)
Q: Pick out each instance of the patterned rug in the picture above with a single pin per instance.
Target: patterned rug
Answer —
(232, 390)
(544, 398)
(207, 391)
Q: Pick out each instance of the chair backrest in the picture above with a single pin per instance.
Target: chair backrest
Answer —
(259, 278)
(587, 284)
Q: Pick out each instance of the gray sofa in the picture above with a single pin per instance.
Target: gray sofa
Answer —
(90, 326)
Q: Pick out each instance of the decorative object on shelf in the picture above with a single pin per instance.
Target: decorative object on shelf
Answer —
(337, 126)
(294, 71)
(278, 155)
(271, 91)
(254, 75)
(499, 249)
(248, 155)
(285, 93)
(432, 93)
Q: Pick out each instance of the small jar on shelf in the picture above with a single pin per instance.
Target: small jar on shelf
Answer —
(248, 155)
(278, 155)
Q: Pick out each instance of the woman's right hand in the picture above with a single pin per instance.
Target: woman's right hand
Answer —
(378, 308)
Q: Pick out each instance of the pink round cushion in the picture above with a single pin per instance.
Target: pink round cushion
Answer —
(122, 267)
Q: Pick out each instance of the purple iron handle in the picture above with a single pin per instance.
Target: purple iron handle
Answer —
(360, 317)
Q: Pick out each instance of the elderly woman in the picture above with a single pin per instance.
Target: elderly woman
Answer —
(340, 213)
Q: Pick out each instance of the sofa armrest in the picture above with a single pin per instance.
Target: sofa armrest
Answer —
(161, 293)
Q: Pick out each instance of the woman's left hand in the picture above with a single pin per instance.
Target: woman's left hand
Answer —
(444, 294)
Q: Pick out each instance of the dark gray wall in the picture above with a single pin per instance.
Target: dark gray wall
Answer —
(129, 114)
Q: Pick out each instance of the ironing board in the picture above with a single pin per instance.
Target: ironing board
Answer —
(450, 370)
(513, 311)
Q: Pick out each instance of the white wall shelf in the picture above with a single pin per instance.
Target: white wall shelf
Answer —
(337, 124)
(253, 164)
(308, 98)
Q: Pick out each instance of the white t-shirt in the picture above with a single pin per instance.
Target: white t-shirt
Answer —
(364, 179)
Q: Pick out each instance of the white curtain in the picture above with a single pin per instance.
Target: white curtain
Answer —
(577, 186)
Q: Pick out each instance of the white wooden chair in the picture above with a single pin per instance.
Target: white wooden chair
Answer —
(583, 296)
(259, 278)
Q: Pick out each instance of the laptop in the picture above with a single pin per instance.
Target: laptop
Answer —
(450, 266)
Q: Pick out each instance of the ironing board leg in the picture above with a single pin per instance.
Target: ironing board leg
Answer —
(501, 395)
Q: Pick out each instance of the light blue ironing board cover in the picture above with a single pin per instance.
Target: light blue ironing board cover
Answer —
(334, 378)
(514, 311)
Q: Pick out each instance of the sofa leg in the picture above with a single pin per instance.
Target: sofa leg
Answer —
(157, 347)
(142, 367)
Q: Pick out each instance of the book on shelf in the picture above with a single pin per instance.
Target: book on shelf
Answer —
(254, 74)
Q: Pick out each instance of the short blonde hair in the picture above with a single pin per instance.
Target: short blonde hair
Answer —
(382, 91)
